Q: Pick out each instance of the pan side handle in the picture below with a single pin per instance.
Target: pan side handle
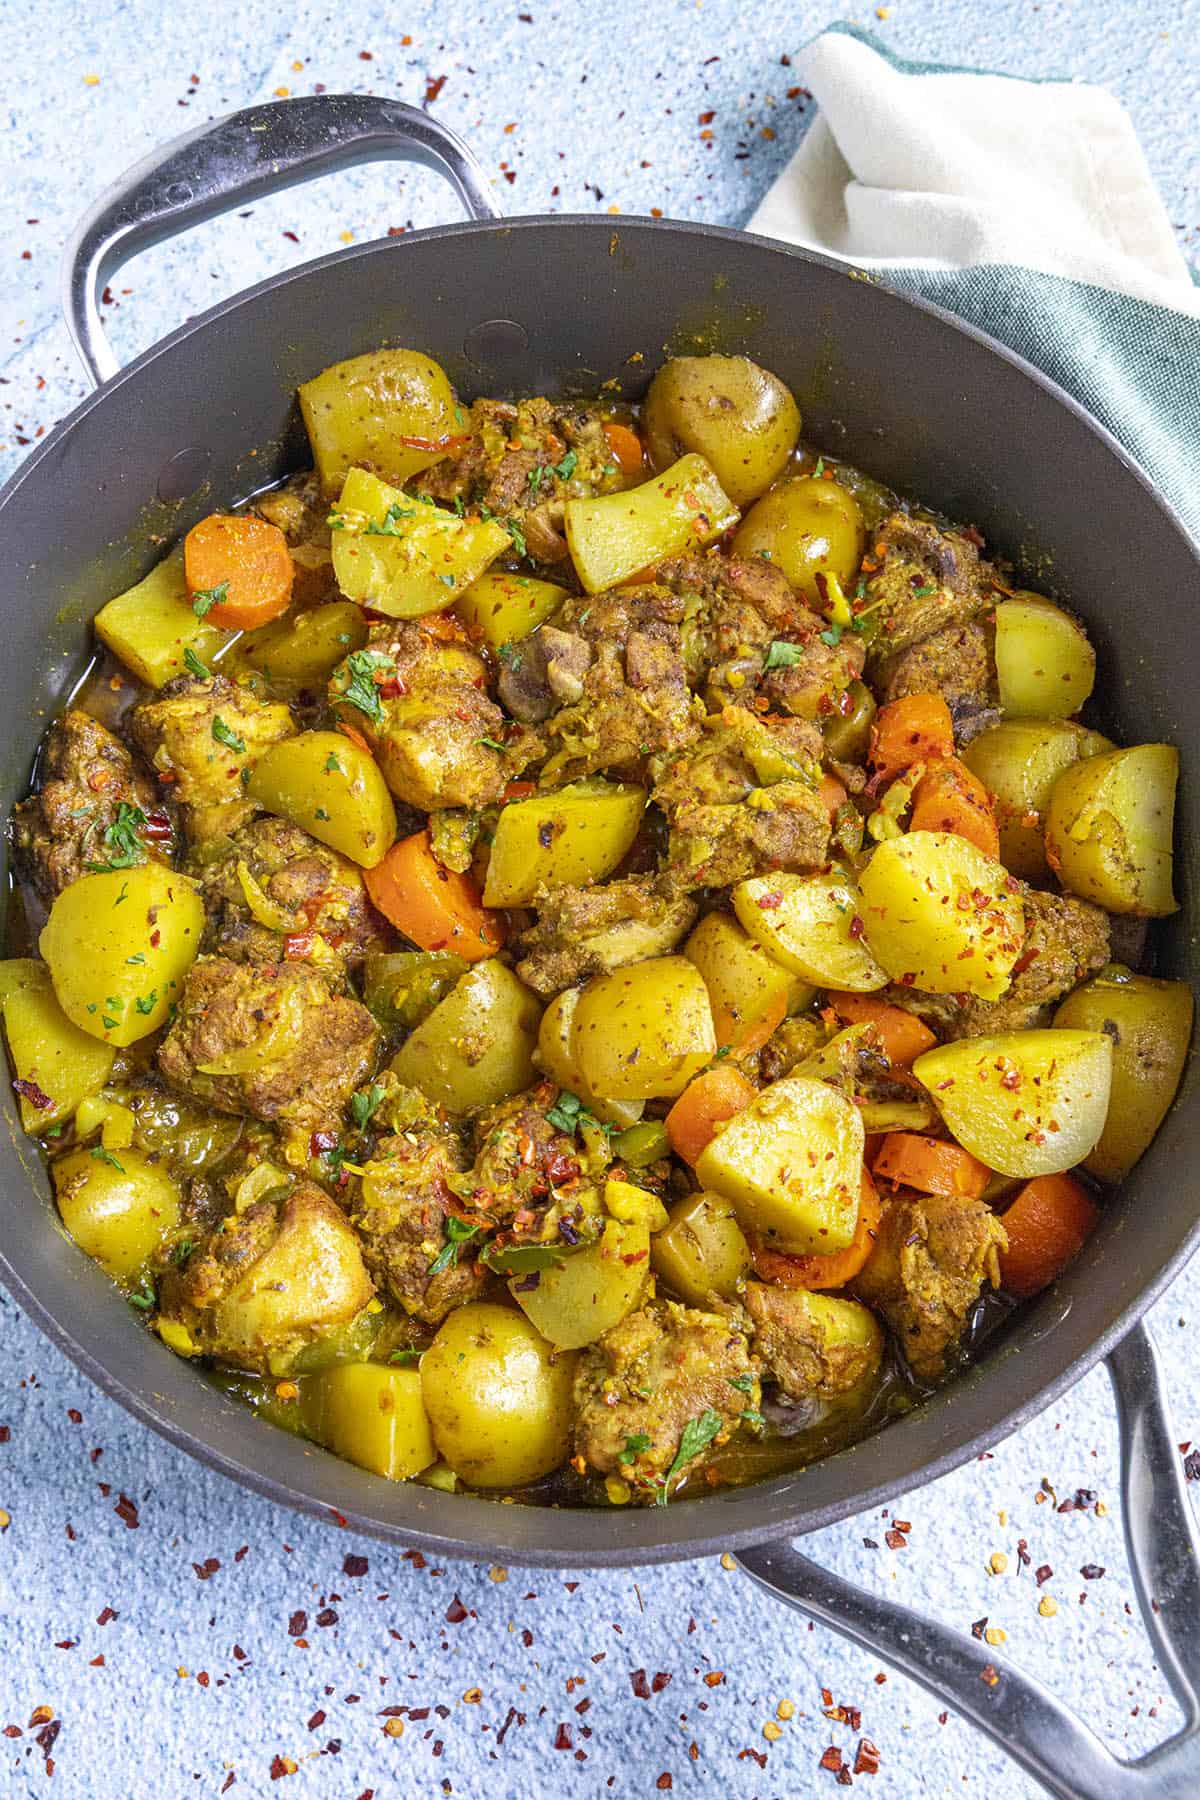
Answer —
(239, 158)
(1047, 1739)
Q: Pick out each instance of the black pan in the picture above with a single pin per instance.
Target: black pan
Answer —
(925, 403)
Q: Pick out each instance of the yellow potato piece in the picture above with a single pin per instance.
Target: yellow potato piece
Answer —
(791, 1164)
(476, 1046)
(119, 945)
(118, 1208)
(812, 925)
(372, 1416)
(570, 838)
(1018, 762)
(500, 608)
(1150, 1025)
(809, 528)
(578, 1300)
(642, 1032)
(498, 1396)
(748, 990)
(151, 625)
(613, 536)
(306, 647)
(739, 417)
(940, 915)
(58, 1065)
(403, 556)
(1024, 1102)
(390, 410)
(556, 1055)
(1045, 666)
(332, 788)
(703, 1251)
(1110, 829)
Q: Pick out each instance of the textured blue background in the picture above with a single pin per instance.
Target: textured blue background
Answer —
(189, 1638)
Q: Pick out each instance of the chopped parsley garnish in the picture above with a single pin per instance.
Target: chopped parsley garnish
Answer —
(230, 739)
(139, 958)
(405, 1358)
(321, 814)
(182, 1250)
(363, 1106)
(697, 1435)
(783, 655)
(751, 1417)
(635, 1445)
(332, 765)
(457, 504)
(832, 637)
(204, 599)
(744, 1383)
(122, 839)
(517, 536)
(360, 689)
(389, 525)
(510, 655)
(491, 743)
(920, 593)
(144, 1297)
(566, 468)
(458, 1234)
(820, 468)
(106, 1156)
(193, 665)
(146, 1003)
(568, 1112)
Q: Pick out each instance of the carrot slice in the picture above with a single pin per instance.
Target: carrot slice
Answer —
(930, 1165)
(435, 907)
(832, 793)
(704, 1104)
(949, 798)
(824, 1271)
(909, 730)
(626, 447)
(238, 570)
(1047, 1224)
(904, 1037)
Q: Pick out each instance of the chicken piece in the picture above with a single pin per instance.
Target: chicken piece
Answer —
(543, 672)
(744, 801)
(438, 739)
(324, 914)
(811, 684)
(1066, 940)
(92, 807)
(404, 1202)
(790, 1044)
(733, 609)
(661, 1369)
(267, 1282)
(299, 509)
(933, 1254)
(585, 931)
(927, 579)
(816, 1346)
(270, 1040)
(956, 663)
(202, 738)
(523, 462)
(523, 1162)
(634, 697)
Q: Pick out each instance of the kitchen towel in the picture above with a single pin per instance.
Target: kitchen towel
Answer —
(1028, 208)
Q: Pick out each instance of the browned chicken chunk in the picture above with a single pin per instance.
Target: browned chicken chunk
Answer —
(933, 1255)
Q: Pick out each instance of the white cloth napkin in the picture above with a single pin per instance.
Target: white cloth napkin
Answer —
(926, 169)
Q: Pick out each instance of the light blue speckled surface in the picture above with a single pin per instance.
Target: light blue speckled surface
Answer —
(173, 1676)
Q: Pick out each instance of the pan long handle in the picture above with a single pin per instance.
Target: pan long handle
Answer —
(236, 159)
(1045, 1737)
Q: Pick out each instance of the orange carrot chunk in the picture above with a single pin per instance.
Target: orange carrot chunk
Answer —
(1047, 1224)
(434, 906)
(903, 1036)
(626, 447)
(824, 1271)
(907, 1159)
(238, 570)
(910, 730)
(949, 798)
(832, 793)
(704, 1104)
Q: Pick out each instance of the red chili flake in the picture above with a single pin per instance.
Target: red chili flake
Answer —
(866, 1762)
(207, 1569)
(527, 1638)
(1091, 1571)
(125, 1509)
(5, 1433)
(831, 1758)
(239, 1554)
(317, 1719)
(895, 1540)
(660, 1681)
(296, 946)
(433, 88)
(298, 1623)
(562, 1738)
(13, 1731)
(758, 1756)
(856, 927)
(107, 1614)
(66, 1643)
(989, 1674)
(281, 1766)
(456, 1612)
(327, 1616)
(979, 1627)
(29, 1090)
(665, 1783)
(511, 1717)
(228, 1782)
(768, 902)
(321, 1141)
(355, 1565)
(640, 1684)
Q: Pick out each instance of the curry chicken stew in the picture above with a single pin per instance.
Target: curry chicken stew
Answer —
(582, 951)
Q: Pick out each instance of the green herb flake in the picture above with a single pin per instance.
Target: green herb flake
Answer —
(106, 1156)
(405, 1359)
(820, 468)
(921, 593)
(139, 958)
(832, 637)
(146, 1003)
(230, 739)
(320, 813)
(510, 655)
(635, 1446)
(517, 535)
(783, 655)
(193, 665)
(144, 1297)
(204, 599)
(566, 468)
(491, 743)
(332, 765)
(458, 1233)
(752, 1417)
(181, 1251)
(697, 1435)
(360, 690)
(364, 1105)
(122, 839)
(744, 1383)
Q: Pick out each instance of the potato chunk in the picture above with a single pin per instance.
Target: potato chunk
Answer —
(740, 418)
(332, 788)
(703, 1251)
(119, 945)
(151, 625)
(577, 1300)
(55, 1065)
(641, 1033)
(791, 1164)
(476, 1046)
(501, 608)
(404, 556)
(749, 991)
(556, 1055)
(1018, 762)
(1150, 1025)
(812, 925)
(1110, 827)
(117, 1208)
(391, 410)
(372, 1416)
(570, 838)
(1024, 1102)
(1045, 665)
(612, 536)
(941, 916)
(811, 529)
(498, 1396)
